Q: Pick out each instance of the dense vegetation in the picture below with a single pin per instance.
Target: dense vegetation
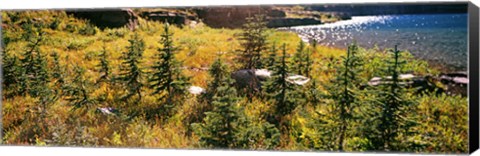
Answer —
(59, 70)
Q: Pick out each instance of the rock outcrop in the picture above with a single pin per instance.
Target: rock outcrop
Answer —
(196, 90)
(254, 78)
(215, 17)
(107, 111)
(421, 84)
(452, 83)
(455, 83)
(288, 22)
(229, 17)
(177, 18)
(110, 18)
(234, 17)
(246, 78)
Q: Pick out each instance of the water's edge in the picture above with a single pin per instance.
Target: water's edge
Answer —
(440, 39)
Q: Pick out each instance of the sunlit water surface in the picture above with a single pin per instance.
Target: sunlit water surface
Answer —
(436, 37)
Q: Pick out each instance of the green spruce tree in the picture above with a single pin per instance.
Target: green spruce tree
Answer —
(308, 63)
(35, 74)
(280, 90)
(105, 80)
(221, 125)
(104, 66)
(298, 64)
(302, 61)
(314, 44)
(131, 74)
(77, 90)
(58, 73)
(167, 79)
(389, 117)
(12, 72)
(253, 41)
(344, 94)
(270, 61)
(218, 71)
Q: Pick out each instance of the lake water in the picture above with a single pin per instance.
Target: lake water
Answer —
(441, 38)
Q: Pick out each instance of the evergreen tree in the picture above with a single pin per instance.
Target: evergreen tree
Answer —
(258, 135)
(312, 94)
(104, 66)
(131, 74)
(280, 90)
(47, 98)
(167, 78)
(253, 41)
(344, 92)
(314, 43)
(271, 59)
(12, 72)
(302, 62)
(218, 71)
(58, 71)
(390, 119)
(298, 63)
(105, 80)
(308, 63)
(309, 58)
(77, 90)
(221, 125)
(35, 75)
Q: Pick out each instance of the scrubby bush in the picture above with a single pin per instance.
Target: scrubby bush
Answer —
(88, 30)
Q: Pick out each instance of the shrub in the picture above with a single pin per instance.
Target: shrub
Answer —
(88, 30)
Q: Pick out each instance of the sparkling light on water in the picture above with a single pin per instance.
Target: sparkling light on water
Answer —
(439, 37)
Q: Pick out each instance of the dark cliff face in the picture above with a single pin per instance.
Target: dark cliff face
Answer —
(108, 18)
(382, 9)
(232, 17)
(289, 22)
(177, 18)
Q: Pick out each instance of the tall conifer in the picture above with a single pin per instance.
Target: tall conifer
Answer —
(221, 125)
(218, 71)
(253, 41)
(58, 74)
(12, 72)
(392, 104)
(104, 65)
(344, 94)
(167, 79)
(131, 74)
(271, 58)
(77, 90)
(298, 64)
(35, 74)
(280, 90)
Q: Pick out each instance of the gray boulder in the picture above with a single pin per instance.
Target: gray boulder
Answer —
(246, 78)
(421, 84)
(107, 111)
(455, 83)
(252, 78)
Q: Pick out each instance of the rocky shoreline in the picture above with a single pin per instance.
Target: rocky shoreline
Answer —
(215, 17)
